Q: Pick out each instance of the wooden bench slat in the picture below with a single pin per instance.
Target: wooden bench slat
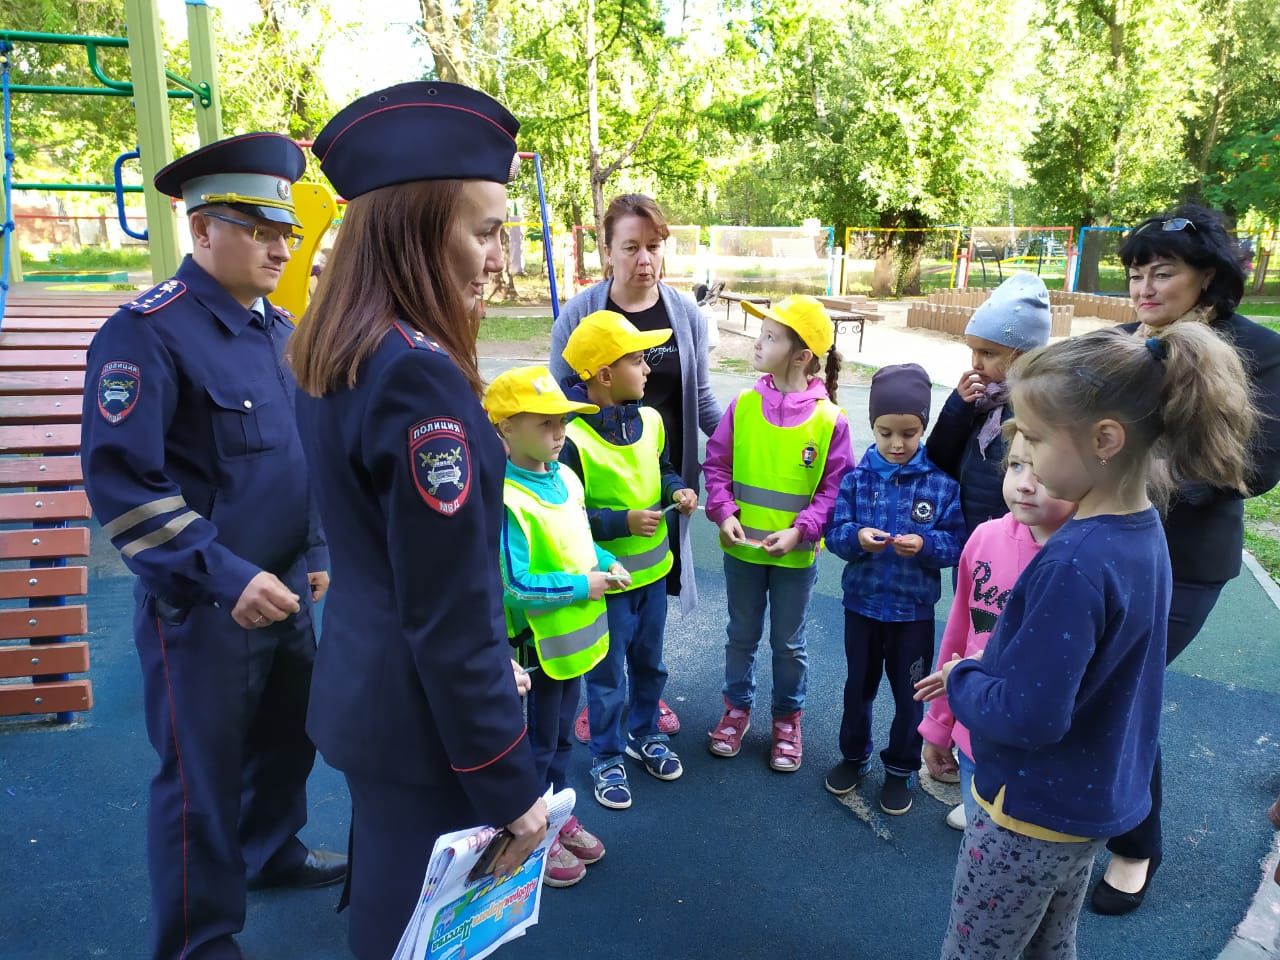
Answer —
(51, 340)
(43, 659)
(52, 324)
(40, 582)
(40, 472)
(34, 622)
(60, 310)
(67, 696)
(44, 544)
(42, 507)
(51, 408)
(42, 359)
(23, 383)
(40, 438)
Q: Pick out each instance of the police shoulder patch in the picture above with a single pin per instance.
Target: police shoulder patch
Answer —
(119, 384)
(440, 461)
(159, 296)
(415, 338)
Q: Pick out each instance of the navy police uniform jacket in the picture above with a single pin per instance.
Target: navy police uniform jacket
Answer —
(191, 454)
(413, 682)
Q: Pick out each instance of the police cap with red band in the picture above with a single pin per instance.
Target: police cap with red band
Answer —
(423, 130)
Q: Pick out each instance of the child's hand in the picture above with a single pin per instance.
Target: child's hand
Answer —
(687, 500)
(872, 540)
(971, 386)
(935, 684)
(781, 543)
(523, 683)
(619, 577)
(908, 545)
(597, 584)
(731, 532)
(940, 762)
(643, 523)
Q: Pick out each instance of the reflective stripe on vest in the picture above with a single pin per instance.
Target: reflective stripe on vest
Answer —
(570, 638)
(627, 478)
(775, 473)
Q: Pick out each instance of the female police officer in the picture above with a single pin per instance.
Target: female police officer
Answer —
(413, 697)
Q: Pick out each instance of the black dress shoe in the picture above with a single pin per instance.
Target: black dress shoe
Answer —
(321, 868)
(1110, 902)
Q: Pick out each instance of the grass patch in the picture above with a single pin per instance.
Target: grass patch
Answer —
(515, 329)
(1271, 324)
(1259, 309)
(1262, 530)
(734, 365)
(90, 258)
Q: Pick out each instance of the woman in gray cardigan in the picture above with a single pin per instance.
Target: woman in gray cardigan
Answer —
(679, 388)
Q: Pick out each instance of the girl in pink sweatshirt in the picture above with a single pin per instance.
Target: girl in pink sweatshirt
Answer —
(993, 558)
(773, 471)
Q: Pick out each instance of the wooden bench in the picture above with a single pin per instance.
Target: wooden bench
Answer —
(33, 638)
(730, 298)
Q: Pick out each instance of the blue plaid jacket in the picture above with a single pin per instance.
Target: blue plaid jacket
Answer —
(917, 498)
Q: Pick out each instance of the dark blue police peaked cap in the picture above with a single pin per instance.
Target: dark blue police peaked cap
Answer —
(254, 172)
(424, 130)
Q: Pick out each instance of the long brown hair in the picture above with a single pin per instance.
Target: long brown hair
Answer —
(1183, 397)
(390, 262)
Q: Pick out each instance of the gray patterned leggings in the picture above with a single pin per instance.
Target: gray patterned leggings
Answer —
(1015, 896)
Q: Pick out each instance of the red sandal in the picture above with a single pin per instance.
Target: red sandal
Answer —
(726, 738)
(668, 723)
(787, 747)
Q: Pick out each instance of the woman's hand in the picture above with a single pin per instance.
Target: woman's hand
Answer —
(527, 832)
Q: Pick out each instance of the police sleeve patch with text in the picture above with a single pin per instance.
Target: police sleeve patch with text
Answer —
(441, 463)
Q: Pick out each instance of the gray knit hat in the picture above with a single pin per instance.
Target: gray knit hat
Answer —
(1015, 315)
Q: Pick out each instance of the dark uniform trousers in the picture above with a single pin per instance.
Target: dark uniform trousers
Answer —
(225, 706)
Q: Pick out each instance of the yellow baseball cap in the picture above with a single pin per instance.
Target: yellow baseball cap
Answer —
(806, 316)
(529, 390)
(603, 338)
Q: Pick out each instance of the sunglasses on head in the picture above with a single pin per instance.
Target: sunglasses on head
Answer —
(1169, 226)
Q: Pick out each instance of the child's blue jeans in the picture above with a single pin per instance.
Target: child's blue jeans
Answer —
(631, 675)
(786, 590)
(967, 767)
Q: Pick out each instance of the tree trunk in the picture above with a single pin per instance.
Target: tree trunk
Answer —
(444, 33)
(593, 125)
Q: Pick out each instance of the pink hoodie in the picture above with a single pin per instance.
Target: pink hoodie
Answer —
(781, 410)
(993, 559)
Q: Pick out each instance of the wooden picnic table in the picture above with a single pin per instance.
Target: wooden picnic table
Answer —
(730, 298)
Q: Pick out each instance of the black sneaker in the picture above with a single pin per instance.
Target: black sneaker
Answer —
(895, 795)
(845, 776)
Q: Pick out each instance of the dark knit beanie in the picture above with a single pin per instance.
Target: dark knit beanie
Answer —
(901, 388)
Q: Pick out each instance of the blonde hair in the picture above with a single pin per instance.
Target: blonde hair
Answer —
(1183, 398)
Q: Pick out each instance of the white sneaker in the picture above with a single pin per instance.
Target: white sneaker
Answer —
(956, 818)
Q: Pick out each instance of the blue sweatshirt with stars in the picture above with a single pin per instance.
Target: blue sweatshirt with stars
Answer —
(1063, 709)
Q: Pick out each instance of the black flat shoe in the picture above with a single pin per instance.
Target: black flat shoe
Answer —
(321, 868)
(1110, 902)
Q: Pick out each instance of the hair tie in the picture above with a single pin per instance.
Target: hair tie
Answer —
(1158, 348)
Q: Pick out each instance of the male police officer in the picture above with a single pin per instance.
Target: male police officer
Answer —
(193, 465)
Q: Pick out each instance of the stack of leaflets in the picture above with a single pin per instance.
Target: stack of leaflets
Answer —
(456, 918)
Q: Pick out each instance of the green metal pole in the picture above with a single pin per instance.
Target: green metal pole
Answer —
(204, 71)
(146, 58)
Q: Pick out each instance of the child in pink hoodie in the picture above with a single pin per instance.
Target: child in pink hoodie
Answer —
(994, 557)
(773, 471)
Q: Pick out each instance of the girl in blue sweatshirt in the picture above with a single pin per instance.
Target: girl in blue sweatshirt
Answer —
(1063, 708)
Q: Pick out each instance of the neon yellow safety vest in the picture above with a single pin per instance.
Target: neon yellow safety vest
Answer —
(775, 473)
(573, 638)
(627, 478)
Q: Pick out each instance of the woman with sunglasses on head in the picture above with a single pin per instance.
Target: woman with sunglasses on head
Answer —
(1184, 267)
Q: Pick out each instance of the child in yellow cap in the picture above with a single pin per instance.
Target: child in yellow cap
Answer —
(773, 470)
(554, 579)
(621, 455)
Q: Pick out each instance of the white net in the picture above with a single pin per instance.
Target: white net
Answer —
(771, 261)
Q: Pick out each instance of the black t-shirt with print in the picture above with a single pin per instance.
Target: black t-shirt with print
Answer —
(663, 390)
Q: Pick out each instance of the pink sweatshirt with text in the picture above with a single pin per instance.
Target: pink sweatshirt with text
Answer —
(781, 410)
(990, 564)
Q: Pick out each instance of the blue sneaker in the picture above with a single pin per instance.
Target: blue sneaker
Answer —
(658, 758)
(895, 795)
(611, 787)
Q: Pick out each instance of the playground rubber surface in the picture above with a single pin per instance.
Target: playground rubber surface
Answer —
(731, 861)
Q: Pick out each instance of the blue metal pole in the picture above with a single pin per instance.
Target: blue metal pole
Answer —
(546, 237)
(8, 227)
(124, 220)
